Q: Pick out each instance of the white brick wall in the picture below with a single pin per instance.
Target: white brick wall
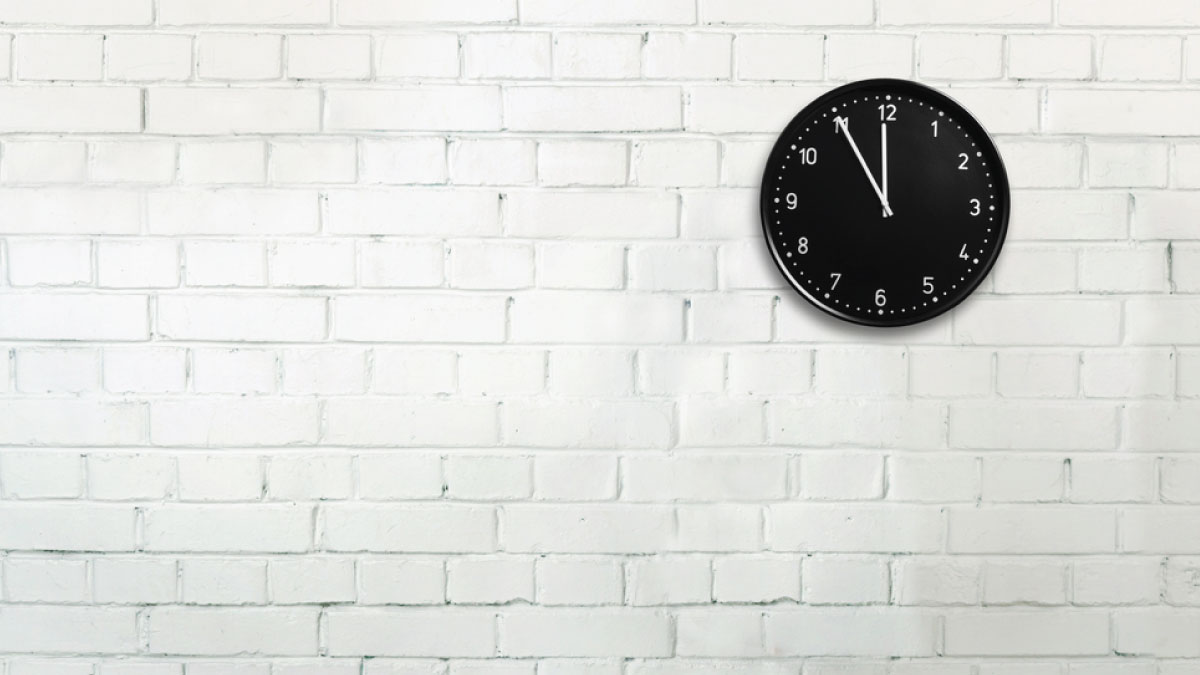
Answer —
(366, 337)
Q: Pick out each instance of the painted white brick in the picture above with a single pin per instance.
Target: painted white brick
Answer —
(40, 474)
(133, 162)
(767, 56)
(434, 108)
(71, 109)
(1127, 57)
(329, 57)
(217, 421)
(569, 163)
(489, 580)
(248, 318)
(1023, 479)
(399, 476)
(774, 12)
(44, 162)
(417, 55)
(507, 55)
(145, 57)
(1042, 165)
(311, 580)
(1124, 270)
(299, 477)
(49, 262)
(937, 581)
(1050, 57)
(845, 581)
(841, 476)
(1019, 583)
(134, 580)
(324, 371)
(934, 478)
(590, 424)
(178, 110)
(571, 632)
(821, 423)
(1027, 632)
(702, 56)
(80, 13)
(239, 56)
(99, 630)
(48, 580)
(847, 631)
(1119, 164)
(1108, 581)
(1156, 632)
(580, 477)
(220, 477)
(961, 56)
(493, 162)
(669, 580)
(228, 528)
(854, 57)
(51, 371)
(1031, 529)
(311, 263)
(218, 581)
(225, 263)
(73, 421)
(1102, 479)
(859, 528)
(729, 633)
(675, 163)
(122, 477)
(947, 11)
(477, 477)
(403, 582)
(382, 12)
(597, 56)
(67, 527)
(548, 109)
(313, 161)
(138, 264)
(59, 56)
(491, 265)
(202, 162)
(285, 12)
(579, 581)
(411, 632)
(226, 632)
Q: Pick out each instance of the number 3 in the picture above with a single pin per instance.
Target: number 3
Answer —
(975, 207)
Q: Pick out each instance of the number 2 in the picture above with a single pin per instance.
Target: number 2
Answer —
(963, 166)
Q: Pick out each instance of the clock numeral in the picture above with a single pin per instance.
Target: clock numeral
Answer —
(963, 166)
(934, 125)
(887, 112)
(836, 278)
(792, 201)
(839, 122)
(802, 246)
(976, 207)
(963, 253)
(808, 156)
(880, 298)
(927, 285)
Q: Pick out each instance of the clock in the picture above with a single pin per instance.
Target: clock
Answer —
(884, 203)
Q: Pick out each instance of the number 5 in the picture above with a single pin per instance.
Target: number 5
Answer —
(927, 285)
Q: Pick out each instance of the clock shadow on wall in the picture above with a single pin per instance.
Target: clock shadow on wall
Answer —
(884, 203)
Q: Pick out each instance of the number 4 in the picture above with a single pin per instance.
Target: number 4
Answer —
(963, 253)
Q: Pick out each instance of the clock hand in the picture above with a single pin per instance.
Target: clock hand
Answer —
(887, 210)
(883, 162)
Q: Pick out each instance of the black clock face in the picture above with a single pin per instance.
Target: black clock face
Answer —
(884, 203)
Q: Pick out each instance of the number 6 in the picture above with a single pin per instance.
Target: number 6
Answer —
(880, 298)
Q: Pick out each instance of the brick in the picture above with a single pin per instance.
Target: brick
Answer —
(592, 109)
(39, 474)
(617, 12)
(1034, 583)
(310, 580)
(79, 12)
(426, 212)
(936, 478)
(59, 57)
(512, 56)
(729, 633)
(664, 372)
(284, 12)
(564, 163)
(580, 477)
(777, 13)
(431, 108)
(46, 580)
(307, 161)
(329, 57)
(1012, 632)
(1099, 479)
(493, 162)
(819, 423)
(402, 582)
(225, 263)
(1082, 13)
(1031, 529)
(1050, 57)
(1121, 113)
(245, 318)
(1038, 322)
(491, 265)
(413, 529)
(222, 631)
(411, 632)
(418, 55)
(848, 476)
(324, 371)
(142, 57)
(78, 421)
(230, 528)
(212, 422)
(1110, 581)
(766, 56)
(850, 632)
(417, 318)
(207, 478)
(597, 56)
(610, 424)
(842, 580)
(573, 632)
(97, 630)
(134, 580)
(203, 162)
(579, 581)
(123, 477)
(394, 476)
(239, 56)
(311, 264)
(726, 108)
(1179, 479)
(1156, 632)
(1160, 530)
(224, 581)
(382, 12)
(488, 478)
(133, 161)
(675, 163)
(44, 162)
(691, 56)
(704, 478)
(396, 422)
(489, 580)
(62, 527)
(586, 529)
(301, 477)
(669, 580)
(409, 371)
(854, 57)
(856, 528)
(569, 317)
(1023, 479)
(1124, 270)
(231, 111)
(938, 581)
(961, 56)
(238, 212)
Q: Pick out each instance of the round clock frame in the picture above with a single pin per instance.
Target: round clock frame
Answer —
(938, 206)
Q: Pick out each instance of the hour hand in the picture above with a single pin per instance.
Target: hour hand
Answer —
(841, 122)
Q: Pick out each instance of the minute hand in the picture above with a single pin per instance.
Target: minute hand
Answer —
(887, 210)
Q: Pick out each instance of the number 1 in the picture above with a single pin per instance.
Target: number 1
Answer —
(934, 125)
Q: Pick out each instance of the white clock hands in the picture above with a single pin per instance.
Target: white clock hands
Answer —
(841, 122)
(883, 162)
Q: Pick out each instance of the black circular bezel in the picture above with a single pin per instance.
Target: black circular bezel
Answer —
(974, 129)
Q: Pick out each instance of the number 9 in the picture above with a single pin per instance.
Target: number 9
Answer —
(792, 201)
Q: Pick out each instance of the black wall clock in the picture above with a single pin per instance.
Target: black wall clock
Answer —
(884, 203)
